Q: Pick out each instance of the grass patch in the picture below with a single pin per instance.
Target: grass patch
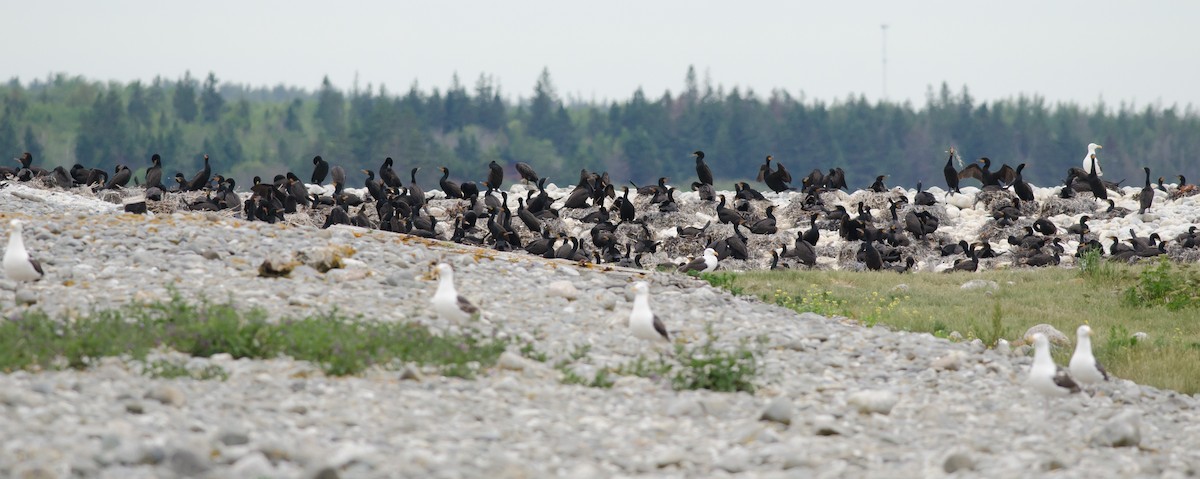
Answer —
(723, 280)
(1064, 298)
(171, 369)
(1166, 285)
(339, 344)
(697, 366)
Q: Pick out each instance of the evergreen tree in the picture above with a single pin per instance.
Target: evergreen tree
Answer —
(139, 107)
(457, 107)
(210, 100)
(543, 107)
(32, 145)
(291, 119)
(184, 98)
(9, 147)
(104, 140)
(331, 110)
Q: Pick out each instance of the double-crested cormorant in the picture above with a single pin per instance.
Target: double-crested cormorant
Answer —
(1089, 160)
(1147, 196)
(320, 170)
(451, 189)
(765, 226)
(878, 185)
(727, 215)
(1094, 183)
(923, 198)
(154, 173)
(388, 174)
(120, 178)
(703, 172)
(1020, 187)
(951, 174)
(374, 185)
(495, 176)
(527, 172)
(201, 178)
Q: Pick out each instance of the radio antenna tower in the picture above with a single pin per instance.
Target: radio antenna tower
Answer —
(883, 28)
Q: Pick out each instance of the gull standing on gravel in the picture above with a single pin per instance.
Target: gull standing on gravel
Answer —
(1083, 366)
(704, 264)
(643, 323)
(448, 304)
(1045, 377)
(18, 266)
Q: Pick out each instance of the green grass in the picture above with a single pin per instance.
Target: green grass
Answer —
(702, 365)
(1116, 300)
(338, 344)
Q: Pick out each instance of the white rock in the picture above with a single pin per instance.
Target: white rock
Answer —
(873, 401)
(980, 284)
(563, 289)
(1123, 430)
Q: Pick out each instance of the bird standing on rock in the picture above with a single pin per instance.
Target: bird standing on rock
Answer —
(1083, 366)
(447, 303)
(1045, 377)
(643, 323)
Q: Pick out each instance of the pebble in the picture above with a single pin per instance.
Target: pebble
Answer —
(874, 401)
(1122, 430)
(1055, 336)
(779, 410)
(168, 395)
(563, 289)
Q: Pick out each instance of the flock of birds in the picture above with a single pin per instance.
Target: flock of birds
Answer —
(594, 223)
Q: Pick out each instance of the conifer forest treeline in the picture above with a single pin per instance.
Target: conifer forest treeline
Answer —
(249, 131)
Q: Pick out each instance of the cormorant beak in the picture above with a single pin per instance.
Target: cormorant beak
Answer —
(1099, 147)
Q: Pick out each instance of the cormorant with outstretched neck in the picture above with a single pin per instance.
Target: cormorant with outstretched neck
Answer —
(374, 185)
(1147, 197)
(951, 174)
(1020, 187)
(448, 187)
(726, 214)
(201, 178)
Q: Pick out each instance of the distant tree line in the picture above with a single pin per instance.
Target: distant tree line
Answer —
(263, 131)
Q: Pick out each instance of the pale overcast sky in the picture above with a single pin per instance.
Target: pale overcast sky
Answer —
(1065, 51)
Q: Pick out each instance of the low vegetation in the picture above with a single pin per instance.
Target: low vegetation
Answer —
(1118, 301)
(704, 365)
(338, 344)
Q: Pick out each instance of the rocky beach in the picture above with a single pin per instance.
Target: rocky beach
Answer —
(832, 398)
